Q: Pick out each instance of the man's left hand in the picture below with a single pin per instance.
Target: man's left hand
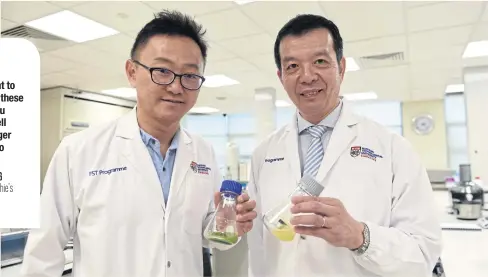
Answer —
(326, 218)
(245, 212)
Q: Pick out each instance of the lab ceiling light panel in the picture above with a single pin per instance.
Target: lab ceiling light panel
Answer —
(476, 49)
(360, 96)
(351, 65)
(455, 88)
(262, 97)
(203, 110)
(128, 93)
(215, 81)
(71, 26)
(282, 103)
(244, 2)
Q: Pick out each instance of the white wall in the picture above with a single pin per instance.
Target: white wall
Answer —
(432, 148)
(51, 114)
(476, 96)
(93, 113)
(58, 110)
(456, 130)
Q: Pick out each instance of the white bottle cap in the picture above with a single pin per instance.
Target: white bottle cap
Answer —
(310, 185)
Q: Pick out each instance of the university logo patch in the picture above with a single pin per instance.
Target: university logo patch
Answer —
(364, 152)
(193, 166)
(199, 168)
(355, 151)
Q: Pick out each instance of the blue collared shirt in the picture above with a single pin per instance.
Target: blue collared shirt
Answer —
(304, 138)
(164, 165)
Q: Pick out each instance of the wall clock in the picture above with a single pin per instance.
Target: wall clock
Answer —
(423, 124)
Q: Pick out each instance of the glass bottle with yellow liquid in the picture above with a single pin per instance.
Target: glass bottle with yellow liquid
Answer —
(277, 220)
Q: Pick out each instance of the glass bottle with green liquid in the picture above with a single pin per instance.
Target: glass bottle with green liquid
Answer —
(222, 229)
(277, 220)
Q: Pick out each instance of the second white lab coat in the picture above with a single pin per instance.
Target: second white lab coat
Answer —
(102, 189)
(392, 195)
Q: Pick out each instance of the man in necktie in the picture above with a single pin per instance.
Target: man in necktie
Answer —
(315, 151)
(375, 216)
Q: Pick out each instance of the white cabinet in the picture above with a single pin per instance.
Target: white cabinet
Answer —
(65, 111)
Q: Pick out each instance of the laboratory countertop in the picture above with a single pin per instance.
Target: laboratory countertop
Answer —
(14, 270)
(462, 255)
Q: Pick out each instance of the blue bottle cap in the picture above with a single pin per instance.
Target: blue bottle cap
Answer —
(231, 186)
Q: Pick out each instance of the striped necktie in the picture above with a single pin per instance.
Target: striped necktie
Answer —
(315, 151)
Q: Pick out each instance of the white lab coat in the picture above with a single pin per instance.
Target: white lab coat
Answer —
(119, 221)
(392, 195)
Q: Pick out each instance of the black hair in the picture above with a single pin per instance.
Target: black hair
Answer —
(171, 23)
(303, 23)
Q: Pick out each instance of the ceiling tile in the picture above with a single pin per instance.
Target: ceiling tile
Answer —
(438, 44)
(49, 45)
(273, 15)
(218, 53)
(85, 55)
(411, 4)
(349, 15)
(480, 32)
(215, 51)
(22, 12)
(217, 31)
(264, 62)
(108, 83)
(249, 45)
(442, 55)
(123, 16)
(51, 64)
(56, 79)
(485, 14)
(355, 82)
(376, 46)
(132, 34)
(120, 44)
(475, 62)
(447, 14)
(245, 53)
(428, 93)
(255, 79)
(233, 104)
(374, 80)
(426, 85)
(192, 8)
(229, 66)
(91, 74)
(422, 75)
(115, 66)
(5, 24)
(67, 4)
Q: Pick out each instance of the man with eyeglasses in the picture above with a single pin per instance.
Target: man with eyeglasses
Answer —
(136, 194)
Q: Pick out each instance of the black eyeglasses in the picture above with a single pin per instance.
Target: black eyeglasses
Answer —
(164, 76)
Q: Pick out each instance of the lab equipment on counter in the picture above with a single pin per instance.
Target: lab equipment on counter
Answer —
(479, 182)
(244, 188)
(438, 269)
(222, 229)
(467, 196)
(277, 220)
(483, 222)
(232, 161)
(437, 176)
(12, 246)
(450, 183)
